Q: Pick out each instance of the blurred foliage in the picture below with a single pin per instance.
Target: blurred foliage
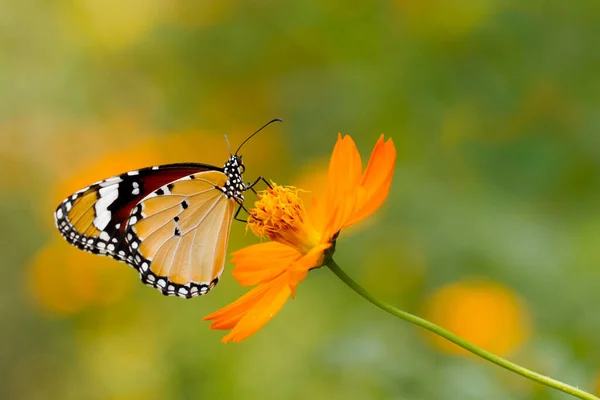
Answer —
(491, 229)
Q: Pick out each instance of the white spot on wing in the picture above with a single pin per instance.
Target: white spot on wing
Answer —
(105, 201)
(108, 189)
(102, 220)
(114, 179)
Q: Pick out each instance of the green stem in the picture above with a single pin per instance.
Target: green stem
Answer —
(534, 376)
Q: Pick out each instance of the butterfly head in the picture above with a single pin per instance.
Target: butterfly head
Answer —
(234, 169)
(234, 187)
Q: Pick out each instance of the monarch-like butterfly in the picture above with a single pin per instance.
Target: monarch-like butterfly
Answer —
(170, 222)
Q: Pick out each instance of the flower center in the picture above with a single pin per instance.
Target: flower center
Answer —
(280, 215)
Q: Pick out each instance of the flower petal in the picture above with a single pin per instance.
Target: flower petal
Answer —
(227, 317)
(254, 309)
(376, 181)
(317, 213)
(382, 156)
(345, 170)
(273, 298)
(299, 268)
(262, 262)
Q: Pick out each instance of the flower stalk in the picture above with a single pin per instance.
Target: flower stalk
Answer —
(486, 355)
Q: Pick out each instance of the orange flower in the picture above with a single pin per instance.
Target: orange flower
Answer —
(300, 237)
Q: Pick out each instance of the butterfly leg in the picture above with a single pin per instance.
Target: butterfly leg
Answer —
(240, 207)
(260, 178)
(249, 186)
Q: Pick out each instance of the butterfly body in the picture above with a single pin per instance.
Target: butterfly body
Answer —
(171, 222)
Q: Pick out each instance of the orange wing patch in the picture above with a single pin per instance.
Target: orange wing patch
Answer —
(81, 214)
(75, 218)
(157, 204)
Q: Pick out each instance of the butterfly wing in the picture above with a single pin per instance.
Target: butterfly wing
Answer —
(177, 236)
(95, 218)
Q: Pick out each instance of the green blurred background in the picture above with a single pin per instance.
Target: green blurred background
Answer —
(492, 228)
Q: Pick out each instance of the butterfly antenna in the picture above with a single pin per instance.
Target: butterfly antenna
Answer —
(261, 128)
(228, 145)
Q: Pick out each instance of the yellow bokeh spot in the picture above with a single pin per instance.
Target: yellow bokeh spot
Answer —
(113, 24)
(444, 19)
(63, 280)
(486, 314)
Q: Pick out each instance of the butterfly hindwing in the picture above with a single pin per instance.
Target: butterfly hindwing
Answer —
(177, 235)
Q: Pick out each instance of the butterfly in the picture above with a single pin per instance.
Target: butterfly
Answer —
(169, 222)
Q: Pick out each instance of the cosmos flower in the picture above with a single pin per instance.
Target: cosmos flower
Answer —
(301, 238)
